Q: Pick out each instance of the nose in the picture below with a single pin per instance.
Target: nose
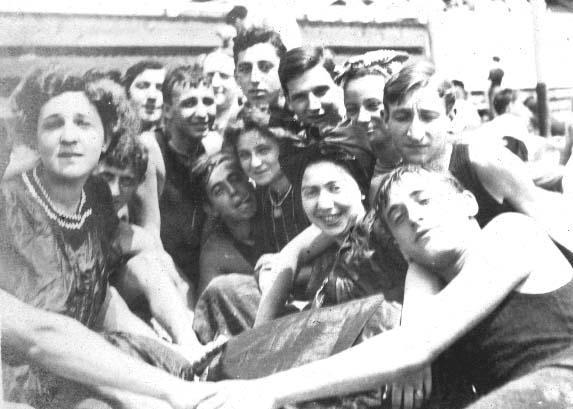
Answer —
(364, 116)
(324, 200)
(416, 130)
(415, 213)
(114, 187)
(216, 81)
(233, 191)
(256, 75)
(314, 102)
(256, 161)
(201, 110)
(69, 134)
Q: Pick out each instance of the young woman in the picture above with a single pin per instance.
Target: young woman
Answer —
(280, 215)
(505, 293)
(57, 226)
(333, 176)
(363, 79)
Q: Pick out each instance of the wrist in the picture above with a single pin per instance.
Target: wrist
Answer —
(273, 391)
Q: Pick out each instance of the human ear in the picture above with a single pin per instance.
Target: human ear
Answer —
(470, 203)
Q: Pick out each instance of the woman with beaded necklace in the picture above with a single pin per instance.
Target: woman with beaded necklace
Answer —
(58, 226)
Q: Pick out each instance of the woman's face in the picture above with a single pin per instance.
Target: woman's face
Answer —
(70, 136)
(364, 107)
(331, 198)
(259, 157)
(145, 92)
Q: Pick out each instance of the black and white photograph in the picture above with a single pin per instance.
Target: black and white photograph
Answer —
(299, 204)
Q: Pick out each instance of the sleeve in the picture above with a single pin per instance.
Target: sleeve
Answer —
(99, 196)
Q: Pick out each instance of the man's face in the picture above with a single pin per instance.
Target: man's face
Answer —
(193, 110)
(257, 74)
(122, 183)
(419, 126)
(219, 68)
(230, 194)
(427, 218)
(316, 99)
(145, 92)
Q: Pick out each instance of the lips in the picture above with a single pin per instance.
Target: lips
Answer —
(69, 155)
(421, 233)
(258, 93)
(331, 220)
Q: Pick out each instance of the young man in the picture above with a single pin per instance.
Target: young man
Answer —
(189, 114)
(143, 270)
(219, 68)
(418, 105)
(257, 53)
(310, 90)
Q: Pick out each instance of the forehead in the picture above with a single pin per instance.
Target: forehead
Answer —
(321, 173)
(222, 171)
(316, 76)
(253, 138)
(219, 63)
(412, 183)
(183, 91)
(114, 170)
(258, 52)
(426, 97)
(369, 86)
(151, 75)
(70, 102)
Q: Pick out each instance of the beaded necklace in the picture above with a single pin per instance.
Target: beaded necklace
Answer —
(65, 220)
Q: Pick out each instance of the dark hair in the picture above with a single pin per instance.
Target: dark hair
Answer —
(94, 74)
(502, 99)
(395, 176)
(256, 35)
(413, 76)
(183, 74)
(237, 12)
(204, 166)
(43, 84)
(132, 72)
(128, 154)
(458, 83)
(297, 61)
(380, 62)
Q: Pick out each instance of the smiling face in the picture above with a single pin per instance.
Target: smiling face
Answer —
(122, 183)
(419, 125)
(192, 112)
(70, 136)
(428, 218)
(230, 194)
(145, 92)
(259, 157)
(315, 98)
(219, 69)
(364, 107)
(331, 198)
(257, 74)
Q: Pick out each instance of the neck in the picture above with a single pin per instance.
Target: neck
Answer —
(441, 162)
(280, 186)
(63, 193)
(239, 229)
(183, 144)
(458, 261)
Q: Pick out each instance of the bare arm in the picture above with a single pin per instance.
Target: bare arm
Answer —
(506, 177)
(305, 246)
(65, 347)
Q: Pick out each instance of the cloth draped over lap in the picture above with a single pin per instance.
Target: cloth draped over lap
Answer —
(304, 337)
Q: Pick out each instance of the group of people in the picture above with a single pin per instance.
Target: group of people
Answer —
(315, 235)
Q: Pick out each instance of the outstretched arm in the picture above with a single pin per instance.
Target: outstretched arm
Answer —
(66, 348)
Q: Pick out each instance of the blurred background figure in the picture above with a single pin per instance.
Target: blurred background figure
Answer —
(465, 113)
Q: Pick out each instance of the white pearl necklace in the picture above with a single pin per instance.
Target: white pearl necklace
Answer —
(67, 221)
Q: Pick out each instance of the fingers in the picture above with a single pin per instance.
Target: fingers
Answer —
(397, 394)
(427, 382)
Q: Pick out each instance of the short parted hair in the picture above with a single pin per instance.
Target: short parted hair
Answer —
(128, 153)
(297, 61)
(132, 72)
(187, 75)
(204, 166)
(256, 35)
(413, 76)
(502, 99)
(42, 84)
(397, 175)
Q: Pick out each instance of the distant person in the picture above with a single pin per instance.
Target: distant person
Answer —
(465, 113)
(495, 78)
